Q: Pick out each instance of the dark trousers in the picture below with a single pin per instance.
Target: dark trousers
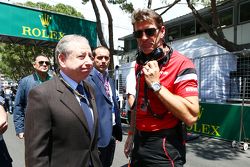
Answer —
(5, 159)
(107, 153)
(7, 104)
(165, 148)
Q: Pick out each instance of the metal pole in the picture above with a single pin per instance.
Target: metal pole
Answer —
(242, 107)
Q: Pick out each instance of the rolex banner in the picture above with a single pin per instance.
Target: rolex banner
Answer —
(17, 21)
(223, 121)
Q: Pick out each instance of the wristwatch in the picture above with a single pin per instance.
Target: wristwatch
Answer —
(156, 86)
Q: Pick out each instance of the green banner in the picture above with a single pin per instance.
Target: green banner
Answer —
(24, 22)
(223, 121)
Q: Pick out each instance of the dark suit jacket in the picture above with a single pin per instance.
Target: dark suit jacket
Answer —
(56, 130)
(104, 108)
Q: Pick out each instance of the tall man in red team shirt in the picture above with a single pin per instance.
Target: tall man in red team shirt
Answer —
(167, 97)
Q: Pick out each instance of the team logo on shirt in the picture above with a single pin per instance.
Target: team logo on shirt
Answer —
(191, 89)
(163, 72)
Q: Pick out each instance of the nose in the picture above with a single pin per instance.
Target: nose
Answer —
(89, 60)
(103, 58)
(144, 36)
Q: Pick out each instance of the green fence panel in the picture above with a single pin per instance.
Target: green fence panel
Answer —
(223, 121)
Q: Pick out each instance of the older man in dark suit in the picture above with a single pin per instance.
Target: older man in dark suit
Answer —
(61, 119)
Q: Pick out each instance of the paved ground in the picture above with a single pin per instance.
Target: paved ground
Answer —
(201, 152)
(15, 145)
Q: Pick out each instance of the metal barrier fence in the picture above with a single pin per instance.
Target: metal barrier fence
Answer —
(220, 77)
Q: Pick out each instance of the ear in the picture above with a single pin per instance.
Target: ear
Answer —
(34, 64)
(163, 31)
(61, 59)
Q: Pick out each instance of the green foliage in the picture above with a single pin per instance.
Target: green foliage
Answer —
(66, 9)
(40, 5)
(206, 3)
(16, 60)
(127, 7)
(59, 8)
(123, 4)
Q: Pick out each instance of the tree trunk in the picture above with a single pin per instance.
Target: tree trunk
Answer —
(149, 4)
(98, 24)
(216, 20)
(110, 28)
(219, 35)
(169, 6)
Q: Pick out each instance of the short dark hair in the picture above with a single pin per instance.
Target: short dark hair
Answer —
(38, 56)
(99, 47)
(148, 15)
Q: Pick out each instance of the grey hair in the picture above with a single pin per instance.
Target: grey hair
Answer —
(64, 45)
(148, 15)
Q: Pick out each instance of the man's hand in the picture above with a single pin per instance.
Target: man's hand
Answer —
(128, 145)
(20, 135)
(151, 72)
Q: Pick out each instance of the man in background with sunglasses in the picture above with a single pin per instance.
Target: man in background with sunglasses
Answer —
(166, 97)
(41, 65)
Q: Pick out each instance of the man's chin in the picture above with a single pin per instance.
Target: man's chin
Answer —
(44, 71)
(147, 51)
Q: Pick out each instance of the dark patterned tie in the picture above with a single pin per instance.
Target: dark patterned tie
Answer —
(86, 108)
(106, 86)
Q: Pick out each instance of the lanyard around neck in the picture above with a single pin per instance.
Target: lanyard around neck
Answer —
(75, 92)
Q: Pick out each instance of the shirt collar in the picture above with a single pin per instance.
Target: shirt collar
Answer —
(101, 76)
(39, 79)
(71, 82)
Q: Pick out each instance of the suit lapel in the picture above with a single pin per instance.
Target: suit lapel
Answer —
(70, 101)
(100, 85)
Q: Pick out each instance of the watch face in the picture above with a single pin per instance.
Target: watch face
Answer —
(156, 86)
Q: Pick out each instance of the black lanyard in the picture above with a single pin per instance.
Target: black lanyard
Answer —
(158, 116)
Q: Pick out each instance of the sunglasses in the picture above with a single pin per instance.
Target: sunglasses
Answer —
(47, 63)
(148, 31)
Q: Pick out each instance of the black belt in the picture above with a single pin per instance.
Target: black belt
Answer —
(159, 133)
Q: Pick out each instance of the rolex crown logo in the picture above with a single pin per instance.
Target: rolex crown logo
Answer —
(200, 112)
(45, 19)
